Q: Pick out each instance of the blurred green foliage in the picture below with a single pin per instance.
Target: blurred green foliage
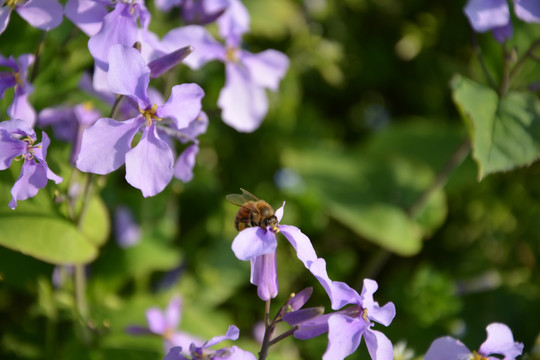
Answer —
(362, 127)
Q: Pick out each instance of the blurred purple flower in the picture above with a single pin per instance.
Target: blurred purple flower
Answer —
(17, 142)
(107, 144)
(494, 15)
(259, 245)
(243, 99)
(69, 123)
(127, 231)
(41, 14)
(231, 353)
(200, 12)
(20, 108)
(87, 15)
(165, 323)
(347, 326)
(500, 341)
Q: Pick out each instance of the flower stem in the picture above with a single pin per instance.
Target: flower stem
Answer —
(37, 55)
(286, 334)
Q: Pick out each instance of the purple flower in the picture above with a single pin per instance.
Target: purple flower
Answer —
(347, 326)
(259, 245)
(243, 99)
(127, 231)
(20, 108)
(204, 351)
(87, 15)
(107, 144)
(41, 14)
(165, 323)
(18, 142)
(494, 15)
(69, 123)
(196, 11)
(499, 341)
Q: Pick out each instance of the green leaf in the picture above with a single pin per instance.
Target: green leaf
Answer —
(37, 227)
(95, 225)
(504, 132)
(371, 194)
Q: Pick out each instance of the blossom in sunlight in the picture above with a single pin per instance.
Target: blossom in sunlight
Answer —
(165, 323)
(259, 244)
(500, 341)
(106, 145)
(18, 142)
(243, 99)
(41, 14)
(347, 326)
(494, 15)
(20, 108)
(204, 351)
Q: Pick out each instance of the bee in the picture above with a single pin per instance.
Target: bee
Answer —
(253, 211)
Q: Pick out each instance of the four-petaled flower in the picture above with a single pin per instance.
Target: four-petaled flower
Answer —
(346, 327)
(259, 245)
(18, 142)
(106, 145)
(499, 341)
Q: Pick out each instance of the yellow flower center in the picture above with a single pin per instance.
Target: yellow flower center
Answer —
(150, 115)
(13, 3)
(231, 54)
(477, 356)
(19, 80)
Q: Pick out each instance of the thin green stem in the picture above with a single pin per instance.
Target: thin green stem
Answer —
(37, 56)
(285, 335)
(478, 50)
(521, 62)
(117, 101)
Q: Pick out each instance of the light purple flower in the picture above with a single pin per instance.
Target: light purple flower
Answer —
(347, 326)
(165, 323)
(18, 142)
(20, 108)
(200, 12)
(494, 15)
(69, 123)
(107, 144)
(500, 341)
(259, 244)
(127, 231)
(243, 99)
(41, 14)
(231, 353)
(87, 15)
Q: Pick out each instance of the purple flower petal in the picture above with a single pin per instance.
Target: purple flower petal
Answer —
(344, 336)
(340, 294)
(527, 10)
(20, 108)
(234, 22)
(32, 178)
(173, 312)
(119, 27)
(232, 334)
(485, 15)
(175, 353)
(106, 143)
(86, 14)
(238, 354)
(379, 347)
(503, 33)
(157, 323)
(252, 242)
(205, 47)
(5, 13)
(195, 128)
(149, 165)
(184, 340)
(166, 5)
(500, 341)
(166, 62)
(41, 154)
(128, 74)
(299, 316)
(183, 169)
(184, 104)
(279, 212)
(312, 328)
(383, 315)
(9, 148)
(447, 348)
(243, 103)
(42, 14)
(266, 68)
(300, 299)
(264, 275)
(301, 243)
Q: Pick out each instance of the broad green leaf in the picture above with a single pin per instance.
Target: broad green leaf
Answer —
(371, 194)
(504, 132)
(95, 224)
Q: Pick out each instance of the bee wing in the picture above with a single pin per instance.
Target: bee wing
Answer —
(236, 199)
(248, 196)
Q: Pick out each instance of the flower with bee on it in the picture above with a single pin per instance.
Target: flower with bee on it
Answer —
(256, 241)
